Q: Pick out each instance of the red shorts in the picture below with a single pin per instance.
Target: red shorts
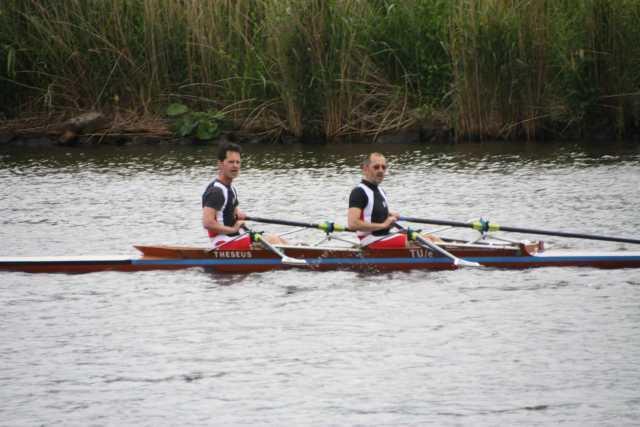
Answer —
(232, 243)
(392, 241)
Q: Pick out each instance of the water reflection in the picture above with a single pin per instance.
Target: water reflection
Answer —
(222, 280)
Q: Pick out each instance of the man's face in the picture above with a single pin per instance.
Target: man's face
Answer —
(230, 166)
(375, 170)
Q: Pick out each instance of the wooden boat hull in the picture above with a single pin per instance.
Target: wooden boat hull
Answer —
(258, 260)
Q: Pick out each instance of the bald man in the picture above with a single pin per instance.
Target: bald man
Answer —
(369, 213)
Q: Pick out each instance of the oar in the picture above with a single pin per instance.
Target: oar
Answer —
(327, 227)
(425, 243)
(484, 226)
(257, 237)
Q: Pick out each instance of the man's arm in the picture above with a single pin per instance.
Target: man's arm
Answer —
(355, 223)
(240, 214)
(210, 222)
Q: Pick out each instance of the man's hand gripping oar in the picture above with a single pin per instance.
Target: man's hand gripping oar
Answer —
(425, 243)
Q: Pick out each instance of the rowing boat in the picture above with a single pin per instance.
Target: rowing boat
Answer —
(421, 253)
(166, 257)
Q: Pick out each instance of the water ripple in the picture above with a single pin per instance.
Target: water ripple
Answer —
(472, 347)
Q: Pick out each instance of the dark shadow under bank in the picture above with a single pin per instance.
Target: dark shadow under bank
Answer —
(90, 129)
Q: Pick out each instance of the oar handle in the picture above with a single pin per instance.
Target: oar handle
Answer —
(570, 234)
(435, 221)
(327, 227)
(483, 226)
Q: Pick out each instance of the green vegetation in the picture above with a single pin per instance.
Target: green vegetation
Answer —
(513, 69)
(202, 125)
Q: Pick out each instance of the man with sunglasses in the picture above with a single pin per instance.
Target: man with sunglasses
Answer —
(368, 209)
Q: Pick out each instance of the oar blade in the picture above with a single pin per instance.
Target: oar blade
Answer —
(294, 261)
(464, 263)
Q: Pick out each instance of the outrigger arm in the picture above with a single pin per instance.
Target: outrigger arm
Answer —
(425, 243)
(257, 237)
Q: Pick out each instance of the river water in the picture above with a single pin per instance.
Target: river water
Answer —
(467, 347)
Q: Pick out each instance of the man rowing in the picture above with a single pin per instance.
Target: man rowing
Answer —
(221, 216)
(369, 212)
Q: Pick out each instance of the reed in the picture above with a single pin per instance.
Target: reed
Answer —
(223, 45)
(325, 75)
(16, 84)
(407, 41)
(523, 67)
(610, 88)
(296, 66)
(498, 68)
(86, 54)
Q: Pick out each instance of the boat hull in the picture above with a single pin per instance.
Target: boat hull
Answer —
(161, 257)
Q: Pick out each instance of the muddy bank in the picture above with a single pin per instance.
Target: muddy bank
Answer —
(93, 128)
(96, 128)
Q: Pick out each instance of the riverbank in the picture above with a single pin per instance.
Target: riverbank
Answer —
(92, 128)
(328, 70)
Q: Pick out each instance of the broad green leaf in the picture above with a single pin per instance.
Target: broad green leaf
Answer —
(207, 130)
(177, 109)
(185, 127)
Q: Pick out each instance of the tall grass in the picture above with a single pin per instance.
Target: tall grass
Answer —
(497, 68)
(408, 41)
(500, 66)
(327, 80)
(85, 54)
(522, 67)
(613, 62)
(224, 45)
(13, 88)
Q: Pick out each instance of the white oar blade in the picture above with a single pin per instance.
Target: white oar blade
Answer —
(463, 263)
(293, 261)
